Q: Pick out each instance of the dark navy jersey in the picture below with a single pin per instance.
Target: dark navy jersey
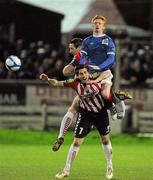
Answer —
(100, 51)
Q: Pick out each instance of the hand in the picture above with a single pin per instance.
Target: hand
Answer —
(44, 77)
(94, 67)
(91, 81)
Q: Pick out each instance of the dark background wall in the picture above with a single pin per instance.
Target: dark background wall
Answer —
(137, 12)
(31, 23)
(35, 23)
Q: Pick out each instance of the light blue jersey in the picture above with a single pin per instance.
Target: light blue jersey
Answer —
(100, 51)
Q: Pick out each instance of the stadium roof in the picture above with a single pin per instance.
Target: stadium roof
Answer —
(77, 14)
(72, 10)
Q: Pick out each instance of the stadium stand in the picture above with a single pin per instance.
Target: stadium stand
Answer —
(37, 57)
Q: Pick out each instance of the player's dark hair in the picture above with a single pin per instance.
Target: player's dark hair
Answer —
(77, 42)
(81, 66)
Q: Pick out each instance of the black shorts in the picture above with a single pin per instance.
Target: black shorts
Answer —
(87, 119)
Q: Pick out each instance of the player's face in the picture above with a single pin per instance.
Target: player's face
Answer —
(98, 26)
(83, 75)
(72, 49)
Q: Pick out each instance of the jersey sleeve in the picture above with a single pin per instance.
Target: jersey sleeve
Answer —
(84, 50)
(72, 83)
(110, 50)
(76, 60)
(111, 47)
(78, 57)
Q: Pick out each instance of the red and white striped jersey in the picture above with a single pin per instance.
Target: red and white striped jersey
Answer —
(76, 59)
(90, 94)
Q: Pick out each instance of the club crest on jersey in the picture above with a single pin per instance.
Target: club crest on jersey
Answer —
(105, 41)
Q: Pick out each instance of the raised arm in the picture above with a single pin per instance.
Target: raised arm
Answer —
(69, 70)
(51, 82)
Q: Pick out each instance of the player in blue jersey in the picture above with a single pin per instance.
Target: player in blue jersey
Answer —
(99, 48)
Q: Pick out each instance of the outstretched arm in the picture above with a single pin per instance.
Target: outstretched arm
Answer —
(52, 82)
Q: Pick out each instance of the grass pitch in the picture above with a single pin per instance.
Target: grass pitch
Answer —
(27, 155)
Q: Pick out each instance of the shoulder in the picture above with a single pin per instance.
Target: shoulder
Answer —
(106, 36)
(87, 39)
(71, 83)
(70, 80)
(107, 40)
(78, 53)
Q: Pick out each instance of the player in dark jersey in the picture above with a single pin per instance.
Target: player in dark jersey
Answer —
(92, 112)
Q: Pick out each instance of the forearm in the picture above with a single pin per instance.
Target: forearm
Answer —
(108, 63)
(103, 75)
(51, 82)
(68, 70)
(54, 82)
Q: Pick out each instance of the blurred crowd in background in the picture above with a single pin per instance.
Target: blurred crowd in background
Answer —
(36, 58)
(136, 66)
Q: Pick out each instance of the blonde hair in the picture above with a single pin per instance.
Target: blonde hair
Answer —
(98, 17)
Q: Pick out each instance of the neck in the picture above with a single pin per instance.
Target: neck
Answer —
(98, 32)
(98, 35)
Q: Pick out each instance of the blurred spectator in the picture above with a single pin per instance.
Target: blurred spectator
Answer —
(2, 70)
(56, 72)
(38, 57)
(136, 62)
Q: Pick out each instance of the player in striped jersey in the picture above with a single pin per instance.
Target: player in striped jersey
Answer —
(90, 95)
(75, 48)
(92, 112)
